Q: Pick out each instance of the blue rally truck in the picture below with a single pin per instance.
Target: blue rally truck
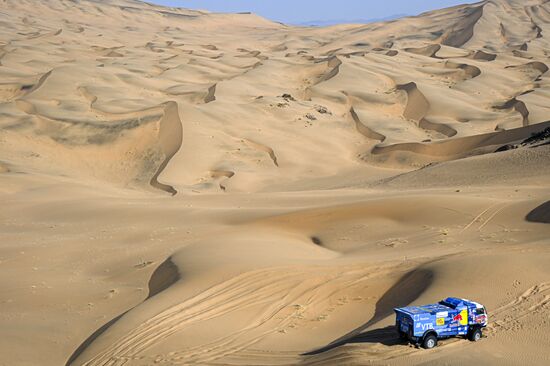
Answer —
(424, 325)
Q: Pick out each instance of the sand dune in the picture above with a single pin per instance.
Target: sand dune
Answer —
(429, 51)
(183, 187)
(170, 139)
(417, 105)
(462, 147)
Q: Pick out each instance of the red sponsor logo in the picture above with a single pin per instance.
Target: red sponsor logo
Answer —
(457, 317)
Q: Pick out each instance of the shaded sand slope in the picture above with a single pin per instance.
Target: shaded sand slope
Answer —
(182, 187)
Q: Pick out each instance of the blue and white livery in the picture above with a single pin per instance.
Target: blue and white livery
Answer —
(449, 318)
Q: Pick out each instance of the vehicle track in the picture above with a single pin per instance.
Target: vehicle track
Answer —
(281, 293)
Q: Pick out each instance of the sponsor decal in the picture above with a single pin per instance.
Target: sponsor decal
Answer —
(442, 314)
(440, 321)
(421, 318)
(461, 317)
(464, 320)
(425, 326)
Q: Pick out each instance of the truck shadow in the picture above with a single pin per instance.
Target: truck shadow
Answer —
(403, 292)
(386, 336)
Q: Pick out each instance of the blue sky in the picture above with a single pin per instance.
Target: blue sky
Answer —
(300, 11)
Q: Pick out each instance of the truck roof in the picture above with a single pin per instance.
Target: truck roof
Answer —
(449, 303)
(431, 309)
(455, 302)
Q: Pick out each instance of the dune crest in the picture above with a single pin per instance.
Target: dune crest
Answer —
(170, 139)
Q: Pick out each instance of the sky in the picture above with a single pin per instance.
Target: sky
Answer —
(306, 11)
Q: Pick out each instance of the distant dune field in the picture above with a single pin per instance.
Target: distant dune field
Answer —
(180, 187)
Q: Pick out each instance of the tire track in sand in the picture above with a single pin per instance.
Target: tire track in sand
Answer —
(282, 293)
(535, 299)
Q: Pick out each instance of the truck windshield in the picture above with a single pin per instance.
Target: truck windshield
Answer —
(480, 311)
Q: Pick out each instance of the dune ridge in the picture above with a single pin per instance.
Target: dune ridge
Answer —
(417, 105)
(364, 130)
(170, 139)
(457, 146)
(463, 30)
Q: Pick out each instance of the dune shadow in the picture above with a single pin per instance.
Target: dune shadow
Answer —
(163, 277)
(541, 214)
(92, 338)
(403, 292)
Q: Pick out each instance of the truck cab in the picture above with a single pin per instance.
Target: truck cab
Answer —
(448, 318)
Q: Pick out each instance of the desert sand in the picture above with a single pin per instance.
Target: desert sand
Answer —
(181, 187)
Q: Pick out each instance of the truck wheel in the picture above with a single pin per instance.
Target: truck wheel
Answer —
(402, 335)
(475, 335)
(430, 342)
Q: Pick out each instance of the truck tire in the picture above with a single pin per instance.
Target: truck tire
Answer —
(475, 335)
(430, 341)
(403, 335)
